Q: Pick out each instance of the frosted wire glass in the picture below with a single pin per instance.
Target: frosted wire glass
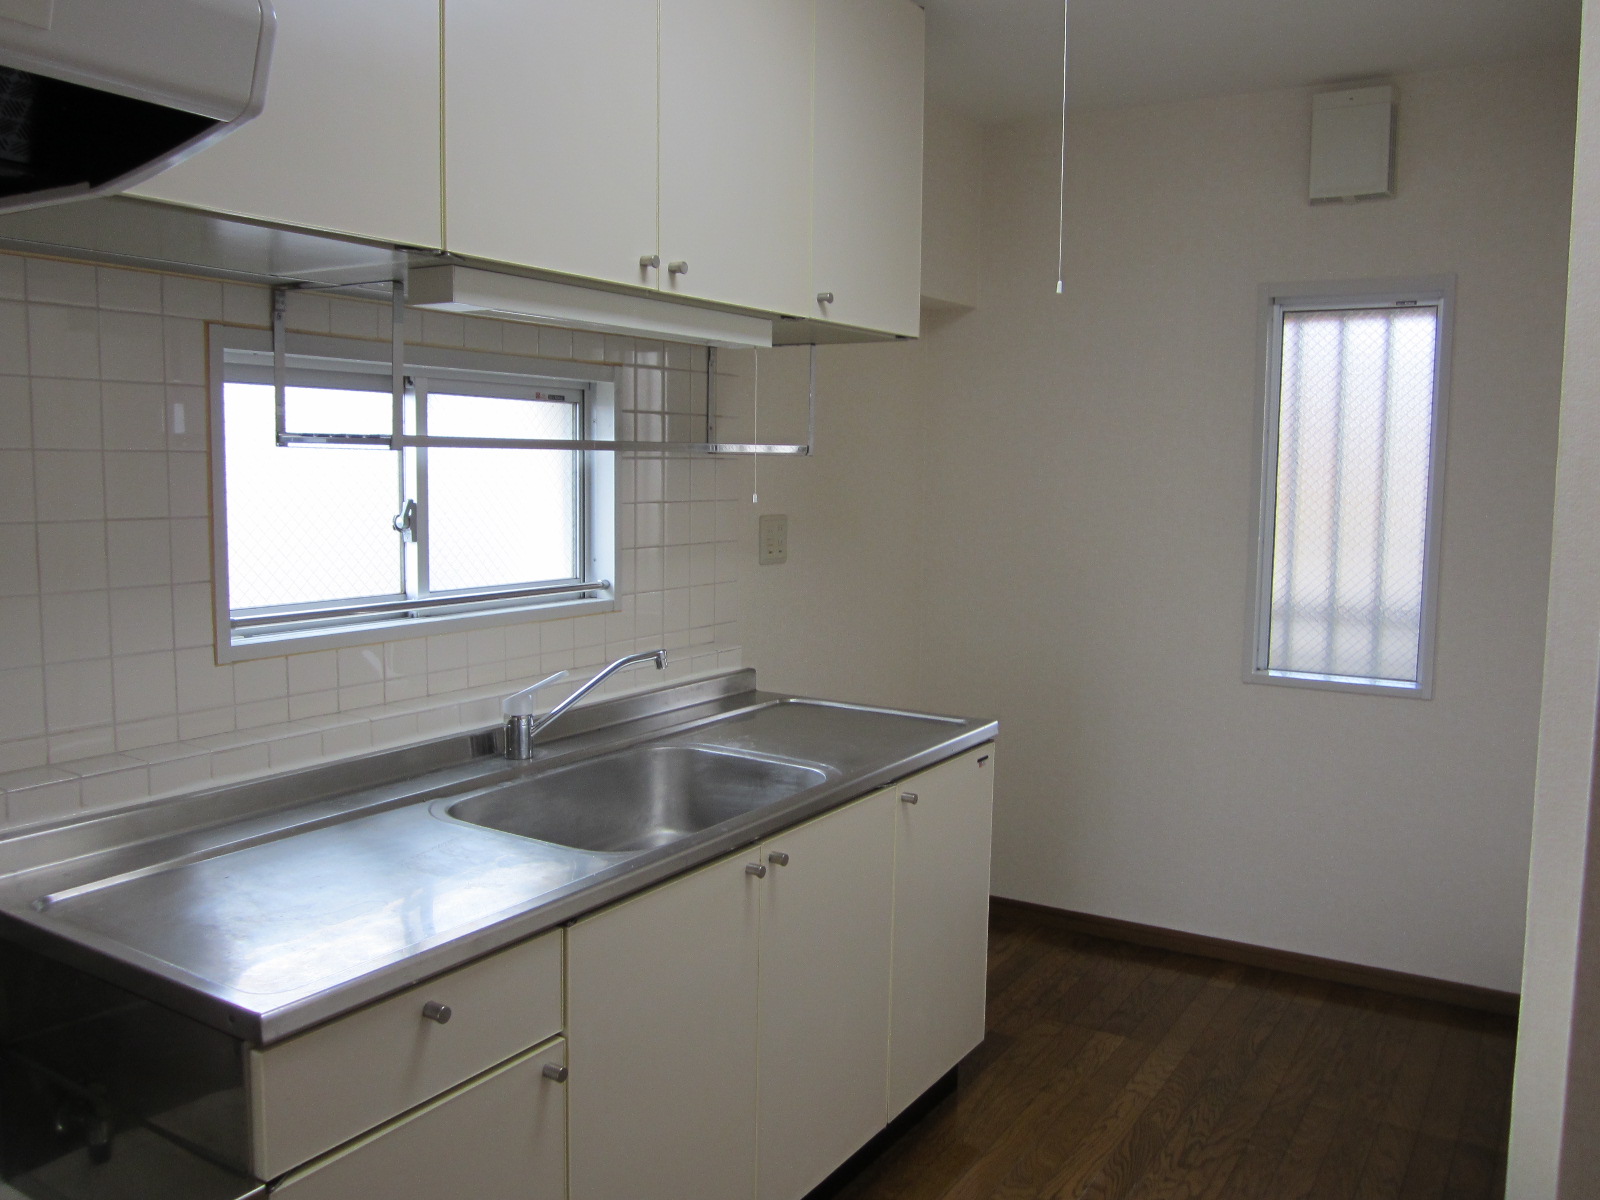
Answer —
(308, 524)
(501, 517)
(1355, 433)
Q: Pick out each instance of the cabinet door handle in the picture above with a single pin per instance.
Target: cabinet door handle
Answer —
(759, 870)
(434, 1011)
(984, 761)
(650, 261)
(824, 297)
(681, 267)
(908, 797)
(555, 1072)
(778, 858)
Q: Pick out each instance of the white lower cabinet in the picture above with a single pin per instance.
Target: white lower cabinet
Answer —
(941, 920)
(826, 918)
(741, 1031)
(318, 1090)
(661, 1019)
(498, 1137)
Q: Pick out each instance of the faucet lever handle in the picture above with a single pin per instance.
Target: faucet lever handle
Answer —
(520, 704)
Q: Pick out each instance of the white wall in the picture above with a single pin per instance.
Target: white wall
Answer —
(1096, 453)
(1082, 468)
(952, 207)
(1555, 1131)
(842, 617)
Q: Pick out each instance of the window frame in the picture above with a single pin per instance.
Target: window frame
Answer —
(1275, 301)
(598, 536)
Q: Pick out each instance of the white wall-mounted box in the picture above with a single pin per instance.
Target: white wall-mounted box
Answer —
(1352, 143)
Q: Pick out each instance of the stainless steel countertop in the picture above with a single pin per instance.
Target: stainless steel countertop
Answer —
(267, 908)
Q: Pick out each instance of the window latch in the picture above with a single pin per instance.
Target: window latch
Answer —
(405, 522)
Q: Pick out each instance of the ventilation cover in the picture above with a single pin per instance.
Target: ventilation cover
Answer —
(1352, 144)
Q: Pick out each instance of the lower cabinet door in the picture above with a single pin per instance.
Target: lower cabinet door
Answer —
(941, 920)
(501, 1136)
(826, 916)
(661, 1025)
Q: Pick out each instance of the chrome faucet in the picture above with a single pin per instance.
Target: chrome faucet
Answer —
(517, 708)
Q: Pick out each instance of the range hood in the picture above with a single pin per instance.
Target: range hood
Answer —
(96, 95)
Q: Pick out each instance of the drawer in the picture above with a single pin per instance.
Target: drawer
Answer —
(502, 1136)
(318, 1090)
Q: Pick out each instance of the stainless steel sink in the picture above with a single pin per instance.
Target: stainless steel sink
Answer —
(636, 799)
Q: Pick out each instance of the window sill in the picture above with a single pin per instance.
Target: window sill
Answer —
(1341, 683)
(276, 645)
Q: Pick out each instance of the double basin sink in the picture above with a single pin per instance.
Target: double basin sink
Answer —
(636, 799)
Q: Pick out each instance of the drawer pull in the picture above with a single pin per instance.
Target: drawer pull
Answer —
(778, 858)
(555, 1072)
(434, 1011)
(759, 870)
(908, 797)
(984, 761)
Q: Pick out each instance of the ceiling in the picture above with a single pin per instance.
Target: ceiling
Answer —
(999, 60)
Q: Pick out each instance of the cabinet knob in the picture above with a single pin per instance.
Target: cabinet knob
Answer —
(908, 797)
(434, 1011)
(555, 1072)
(759, 870)
(824, 297)
(650, 261)
(681, 267)
(778, 858)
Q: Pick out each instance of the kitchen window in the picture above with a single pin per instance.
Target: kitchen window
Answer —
(348, 540)
(1351, 479)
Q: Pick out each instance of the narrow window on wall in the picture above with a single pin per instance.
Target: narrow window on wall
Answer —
(1351, 472)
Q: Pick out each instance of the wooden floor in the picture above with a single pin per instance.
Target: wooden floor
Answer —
(1114, 1071)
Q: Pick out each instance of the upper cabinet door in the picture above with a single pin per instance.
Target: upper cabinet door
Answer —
(736, 151)
(349, 140)
(550, 134)
(867, 236)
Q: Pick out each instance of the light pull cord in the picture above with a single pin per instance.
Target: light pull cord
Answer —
(755, 426)
(1061, 190)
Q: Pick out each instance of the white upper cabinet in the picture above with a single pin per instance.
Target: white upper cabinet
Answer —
(550, 129)
(867, 232)
(584, 138)
(349, 140)
(735, 120)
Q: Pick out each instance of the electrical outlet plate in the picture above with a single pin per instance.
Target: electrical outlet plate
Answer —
(774, 539)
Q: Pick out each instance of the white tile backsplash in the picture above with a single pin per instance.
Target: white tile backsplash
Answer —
(69, 485)
(53, 282)
(134, 416)
(72, 555)
(63, 342)
(131, 348)
(129, 291)
(66, 414)
(136, 484)
(109, 686)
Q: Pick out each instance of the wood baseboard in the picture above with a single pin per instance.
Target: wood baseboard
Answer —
(1441, 991)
